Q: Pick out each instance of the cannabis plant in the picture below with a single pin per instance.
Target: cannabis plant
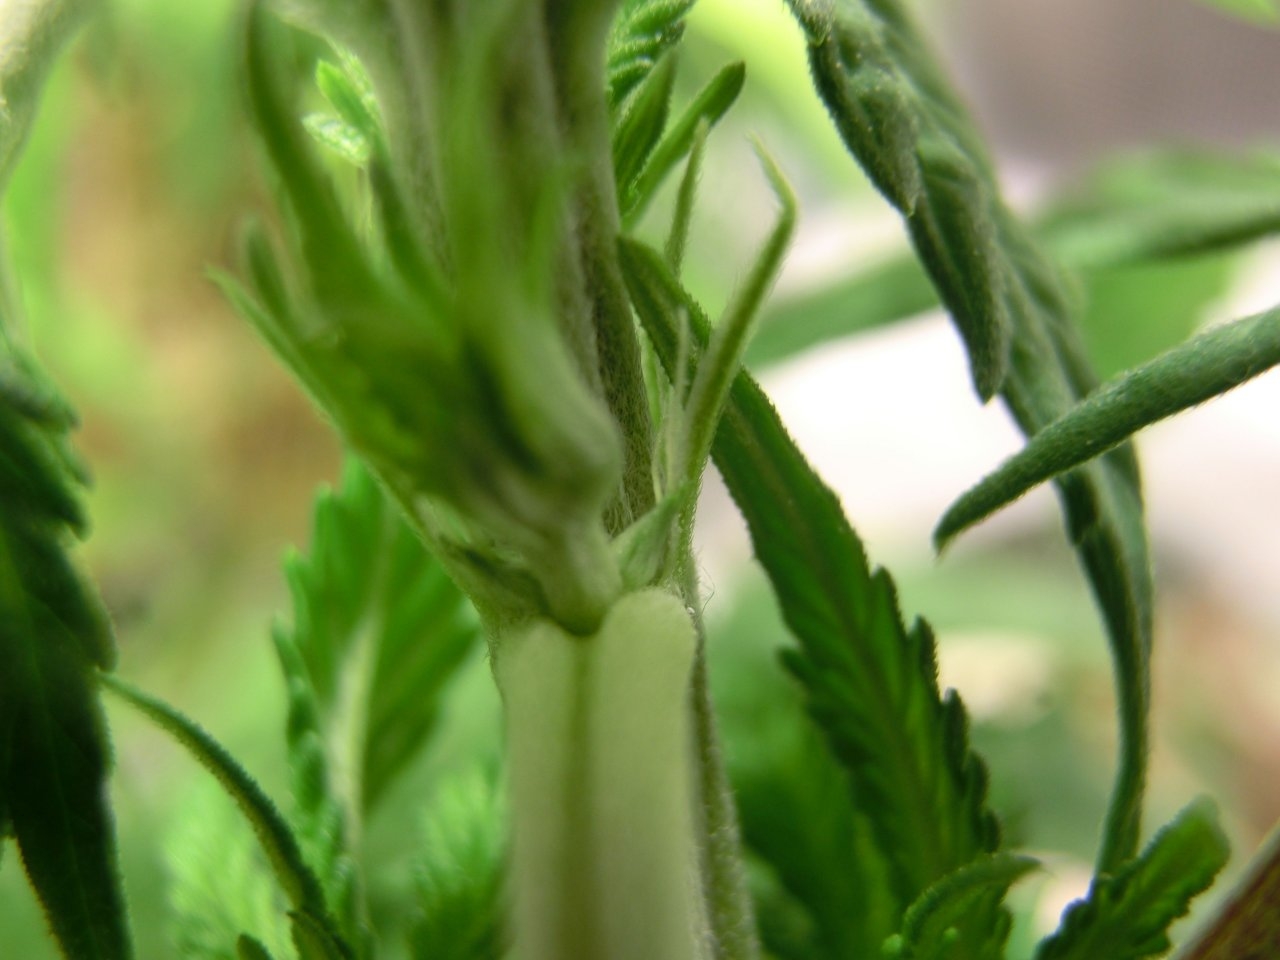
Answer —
(463, 273)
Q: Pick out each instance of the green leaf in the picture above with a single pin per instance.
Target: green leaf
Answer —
(1158, 211)
(296, 879)
(378, 633)
(346, 141)
(459, 881)
(946, 921)
(643, 32)
(1247, 923)
(871, 681)
(1127, 916)
(248, 948)
(710, 104)
(827, 889)
(904, 128)
(1262, 11)
(1015, 315)
(220, 887)
(1196, 371)
(641, 119)
(55, 752)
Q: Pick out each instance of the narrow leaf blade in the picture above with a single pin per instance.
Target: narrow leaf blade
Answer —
(1198, 370)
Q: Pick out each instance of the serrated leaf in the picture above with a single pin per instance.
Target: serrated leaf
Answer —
(947, 921)
(1198, 370)
(828, 895)
(1247, 924)
(643, 31)
(1127, 916)
(380, 629)
(220, 888)
(53, 784)
(248, 948)
(871, 681)
(296, 879)
(459, 881)
(979, 257)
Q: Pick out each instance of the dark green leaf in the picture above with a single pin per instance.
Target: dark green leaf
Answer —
(1127, 916)
(296, 879)
(53, 783)
(905, 130)
(872, 682)
(459, 882)
(1015, 316)
(947, 920)
(248, 948)
(1196, 371)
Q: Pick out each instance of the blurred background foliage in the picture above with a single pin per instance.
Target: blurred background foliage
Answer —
(206, 458)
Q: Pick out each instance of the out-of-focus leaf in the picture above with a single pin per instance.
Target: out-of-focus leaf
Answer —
(946, 921)
(1262, 11)
(248, 948)
(296, 879)
(381, 630)
(1127, 916)
(53, 631)
(871, 680)
(220, 888)
(1198, 370)
(459, 880)
(642, 32)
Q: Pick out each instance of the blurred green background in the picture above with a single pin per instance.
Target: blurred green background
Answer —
(206, 457)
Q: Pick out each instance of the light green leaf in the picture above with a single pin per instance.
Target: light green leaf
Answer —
(459, 882)
(296, 879)
(378, 633)
(641, 119)
(1127, 916)
(339, 136)
(1196, 371)
(710, 104)
(949, 919)
(871, 680)
(1262, 11)
(219, 884)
